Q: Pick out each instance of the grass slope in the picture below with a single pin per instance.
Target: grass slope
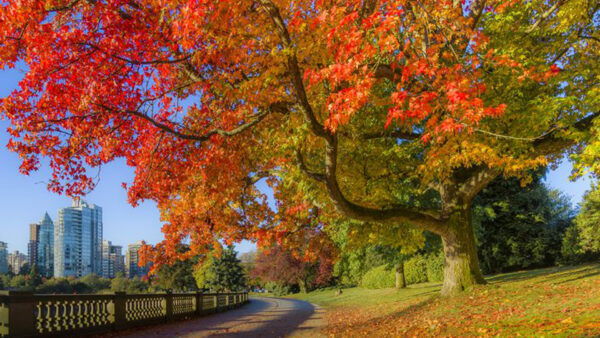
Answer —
(563, 302)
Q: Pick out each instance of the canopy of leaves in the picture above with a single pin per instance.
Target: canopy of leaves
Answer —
(338, 105)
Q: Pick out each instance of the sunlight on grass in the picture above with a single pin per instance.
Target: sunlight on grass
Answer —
(562, 301)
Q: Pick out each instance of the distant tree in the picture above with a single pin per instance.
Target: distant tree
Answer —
(221, 271)
(588, 222)
(248, 261)
(25, 269)
(520, 227)
(95, 282)
(19, 283)
(176, 277)
(55, 285)
(35, 278)
(276, 264)
(582, 240)
(122, 284)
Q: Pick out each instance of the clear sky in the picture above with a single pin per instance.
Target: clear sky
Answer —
(24, 199)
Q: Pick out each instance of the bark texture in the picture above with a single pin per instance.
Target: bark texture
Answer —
(461, 265)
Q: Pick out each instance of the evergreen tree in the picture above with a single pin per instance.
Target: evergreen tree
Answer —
(582, 241)
(520, 227)
(35, 278)
(222, 272)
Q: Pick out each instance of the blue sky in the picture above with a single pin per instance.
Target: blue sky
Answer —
(24, 199)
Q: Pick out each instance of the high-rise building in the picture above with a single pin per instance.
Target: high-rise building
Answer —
(112, 259)
(40, 248)
(3, 258)
(16, 261)
(45, 247)
(32, 251)
(78, 240)
(132, 268)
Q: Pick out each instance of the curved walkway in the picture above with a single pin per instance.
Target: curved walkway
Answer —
(261, 317)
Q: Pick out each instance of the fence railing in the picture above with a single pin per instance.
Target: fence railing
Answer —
(23, 314)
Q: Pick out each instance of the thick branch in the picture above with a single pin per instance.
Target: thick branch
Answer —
(425, 219)
(477, 182)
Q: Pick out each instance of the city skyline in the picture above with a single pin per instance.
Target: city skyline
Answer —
(72, 245)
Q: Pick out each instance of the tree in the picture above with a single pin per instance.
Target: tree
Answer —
(222, 271)
(25, 269)
(582, 241)
(284, 267)
(35, 278)
(177, 277)
(333, 103)
(95, 282)
(122, 284)
(520, 227)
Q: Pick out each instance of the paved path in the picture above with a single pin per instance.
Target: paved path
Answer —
(261, 317)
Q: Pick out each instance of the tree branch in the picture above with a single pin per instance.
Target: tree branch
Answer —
(474, 184)
(294, 70)
(302, 165)
(192, 137)
(545, 15)
(547, 143)
(426, 219)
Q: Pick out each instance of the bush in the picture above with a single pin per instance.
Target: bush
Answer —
(379, 278)
(435, 267)
(415, 269)
(278, 289)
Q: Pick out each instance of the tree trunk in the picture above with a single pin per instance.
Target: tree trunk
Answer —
(302, 285)
(461, 265)
(400, 280)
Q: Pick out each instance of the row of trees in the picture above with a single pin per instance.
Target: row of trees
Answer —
(516, 227)
(220, 271)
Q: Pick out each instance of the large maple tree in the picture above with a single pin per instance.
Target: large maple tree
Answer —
(349, 109)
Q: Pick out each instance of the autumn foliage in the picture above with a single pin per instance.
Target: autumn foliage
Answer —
(346, 109)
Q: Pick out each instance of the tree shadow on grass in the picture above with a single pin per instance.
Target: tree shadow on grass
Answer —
(552, 274)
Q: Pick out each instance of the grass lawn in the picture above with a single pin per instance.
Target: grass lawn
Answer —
(563, 302)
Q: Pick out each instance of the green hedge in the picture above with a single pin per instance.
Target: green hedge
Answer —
(379, 278)
(415, 269)
(424, 268)
(435, 267)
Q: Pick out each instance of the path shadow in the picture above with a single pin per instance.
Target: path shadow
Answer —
(285, 323)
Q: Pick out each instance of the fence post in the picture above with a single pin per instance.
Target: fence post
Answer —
(120, 310)
(20, 314)
(199, 303)
(217, 302)
(169, 298)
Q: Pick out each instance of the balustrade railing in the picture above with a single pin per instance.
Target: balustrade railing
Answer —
(23, 314)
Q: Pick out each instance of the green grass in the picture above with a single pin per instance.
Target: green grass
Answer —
(563, 301)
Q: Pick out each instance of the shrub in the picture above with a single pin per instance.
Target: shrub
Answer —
(278, 289)
(379, 278)
(435, 267)
(415, 269)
